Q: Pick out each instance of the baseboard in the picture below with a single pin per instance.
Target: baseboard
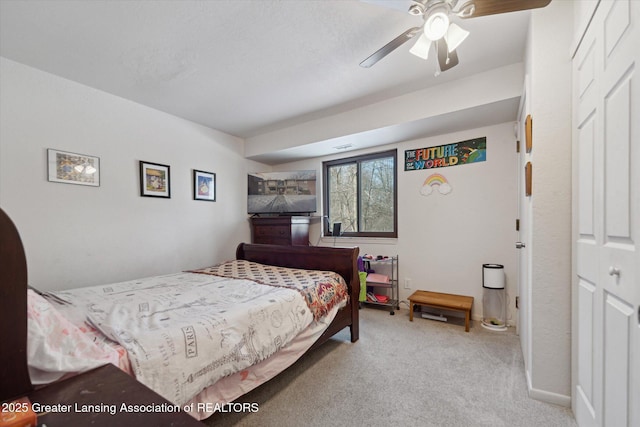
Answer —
(547, 396)
(449, 313)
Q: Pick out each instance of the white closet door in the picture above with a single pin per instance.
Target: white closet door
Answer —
(607, 150)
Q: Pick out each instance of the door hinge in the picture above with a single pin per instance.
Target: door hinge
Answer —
(517, 146)
(517, 224)
(517, 302)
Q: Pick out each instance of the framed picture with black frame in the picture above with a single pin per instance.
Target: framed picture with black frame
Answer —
(155, 180)
(204, 186)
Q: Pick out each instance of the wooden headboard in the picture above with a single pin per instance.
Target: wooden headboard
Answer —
(341, 260)
(14, 373)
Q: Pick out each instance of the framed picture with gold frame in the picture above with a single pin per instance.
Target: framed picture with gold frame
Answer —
(527, 179)
(528, 125)
(73, 168)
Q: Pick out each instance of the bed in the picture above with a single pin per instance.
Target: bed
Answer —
(271, 263)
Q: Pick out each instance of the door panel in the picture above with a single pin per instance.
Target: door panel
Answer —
(586, 150)
(619, 256)
(585, 179)
(618, 320)
(617, 116)
(586, 300)
(607, 149)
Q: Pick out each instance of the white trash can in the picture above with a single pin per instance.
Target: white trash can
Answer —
(494, 307)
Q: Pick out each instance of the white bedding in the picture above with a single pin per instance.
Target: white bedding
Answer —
(57, 346)
(233, 386)
(183, 332)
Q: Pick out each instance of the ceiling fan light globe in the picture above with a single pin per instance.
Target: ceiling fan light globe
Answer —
(421, 47)
(455, 36)
(436, 25)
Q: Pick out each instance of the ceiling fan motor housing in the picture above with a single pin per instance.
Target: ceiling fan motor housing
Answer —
(421, 8)
(436, 22)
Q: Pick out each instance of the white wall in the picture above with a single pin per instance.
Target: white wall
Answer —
(78, 236)
(400, 118)
(74, 235)
(443, 240)
(549, 70)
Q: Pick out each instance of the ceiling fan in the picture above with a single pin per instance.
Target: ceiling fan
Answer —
(438, 30)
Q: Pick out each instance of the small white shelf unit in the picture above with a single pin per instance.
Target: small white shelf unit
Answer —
(387, 266)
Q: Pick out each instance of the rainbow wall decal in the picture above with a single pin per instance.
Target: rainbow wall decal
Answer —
(436, 181)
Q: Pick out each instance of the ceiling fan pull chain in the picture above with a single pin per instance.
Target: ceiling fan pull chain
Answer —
(437, 73)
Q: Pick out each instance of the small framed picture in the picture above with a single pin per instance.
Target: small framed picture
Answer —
(73, 168)
(155, 180)
(528, 171)
(528, 126)
(204, 186)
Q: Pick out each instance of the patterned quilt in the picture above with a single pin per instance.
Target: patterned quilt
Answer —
(322, 290)
(185, 331)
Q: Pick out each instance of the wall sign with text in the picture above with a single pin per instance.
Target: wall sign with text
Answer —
(458, 153)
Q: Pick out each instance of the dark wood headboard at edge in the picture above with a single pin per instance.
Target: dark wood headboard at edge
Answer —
(343, 261)
(14, 373)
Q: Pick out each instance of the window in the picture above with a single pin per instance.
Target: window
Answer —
(360, 193)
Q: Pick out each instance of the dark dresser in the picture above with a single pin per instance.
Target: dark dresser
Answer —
(280, 230)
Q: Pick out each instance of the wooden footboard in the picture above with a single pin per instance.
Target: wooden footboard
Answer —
(14, 374)
(341, 260)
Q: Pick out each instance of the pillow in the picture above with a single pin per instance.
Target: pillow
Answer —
(56, 347)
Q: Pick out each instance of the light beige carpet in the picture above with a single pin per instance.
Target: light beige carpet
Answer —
(401, 373)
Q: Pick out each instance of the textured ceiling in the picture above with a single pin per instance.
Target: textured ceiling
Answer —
(242, 67)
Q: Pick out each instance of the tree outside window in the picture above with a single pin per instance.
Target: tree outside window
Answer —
(360, 193)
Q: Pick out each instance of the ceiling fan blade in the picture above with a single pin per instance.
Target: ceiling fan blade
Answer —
(494, 7)
(390, 47)
(446, 59)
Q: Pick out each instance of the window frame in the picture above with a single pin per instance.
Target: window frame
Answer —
(358, 160)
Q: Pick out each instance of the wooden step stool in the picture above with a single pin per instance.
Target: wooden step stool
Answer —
(444, 301)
